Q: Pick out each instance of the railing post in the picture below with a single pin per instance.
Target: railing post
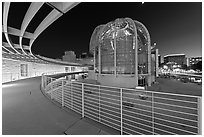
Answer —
(99, 112)
(71, 97)
(82, 100)
(51, 89)
(62, 93)
(42, 81)
(121, 111)
(199, 107)
(152, 113)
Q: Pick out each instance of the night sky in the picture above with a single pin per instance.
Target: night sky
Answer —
(175, 27)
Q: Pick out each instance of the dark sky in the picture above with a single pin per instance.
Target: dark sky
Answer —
(175, 27)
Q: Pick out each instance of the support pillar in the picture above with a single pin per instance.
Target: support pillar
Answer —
(135, 44)
(115, 56)
(62, 93)
(199, 107)
(149, 64)
(94, 59)
(157, 63)
(42, 82)
(99, 60)
(121, 111)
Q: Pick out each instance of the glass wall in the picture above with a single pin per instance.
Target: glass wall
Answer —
(117, 43)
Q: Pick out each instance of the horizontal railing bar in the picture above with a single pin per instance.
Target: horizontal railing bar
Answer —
(92, 109)
(76, 95)
(176, 128)
(133, 131)
(72, 107)
(56, 88)
(110, 95)
(103, 123)
(57, 92)
(88, 98)
(172, 133)
(56, 95)
(90, 113)
(87, 94)
(76, 110)
(191, 96)
(110, 114)
(110, 118)
(90, 88)
(66, 104)
(75, 91)
(56, 99)
(76, 88)
(110, 106)
(139, 99)
(110, 90)
(175, 111)
(97, 105)
(110, 99)
(127, 133)
(138, 118)
(109, 102)
(175, 123)
(76, 107)
(79, 105)
(175, 105)
(86, 115)
(133, 94)
(89, 101)
(176, 100)
(137, 123)
(138, 104)
(74, 98)
(174, 117)
(110, 123)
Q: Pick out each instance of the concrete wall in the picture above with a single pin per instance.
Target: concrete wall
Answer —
(11, 69)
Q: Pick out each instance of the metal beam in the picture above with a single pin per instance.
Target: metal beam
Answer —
(16, 32)
(51, 17)
(5, 19)
(32, 10)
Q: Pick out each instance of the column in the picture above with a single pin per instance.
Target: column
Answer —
(94, 59)
(149, 63)
(135, 44)
(199, 107)
(115, 56)
(99, 60)
(82, 100)
(157, 63)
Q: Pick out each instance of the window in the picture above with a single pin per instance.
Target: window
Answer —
(24, 70)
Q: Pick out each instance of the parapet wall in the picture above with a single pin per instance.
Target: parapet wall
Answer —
(15, 69)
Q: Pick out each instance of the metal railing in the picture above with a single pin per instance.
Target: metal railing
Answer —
(128, 110)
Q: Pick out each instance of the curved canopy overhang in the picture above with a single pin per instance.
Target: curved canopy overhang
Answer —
(10, 48)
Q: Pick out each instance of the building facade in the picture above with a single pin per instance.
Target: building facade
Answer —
(179, 59)
(69, 56)
(194, 60)
(122, 53)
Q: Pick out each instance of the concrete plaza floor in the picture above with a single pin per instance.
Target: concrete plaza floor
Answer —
(26, 111)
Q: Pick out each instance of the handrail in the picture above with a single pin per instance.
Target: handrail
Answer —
(102, 107)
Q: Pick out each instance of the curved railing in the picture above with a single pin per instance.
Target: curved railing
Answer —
(129, 111)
